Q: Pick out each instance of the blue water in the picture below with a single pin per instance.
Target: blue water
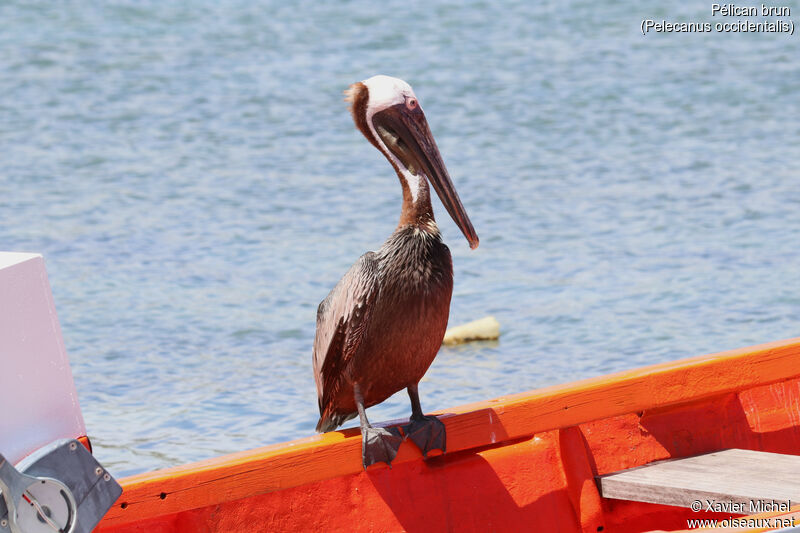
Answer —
(194, 180)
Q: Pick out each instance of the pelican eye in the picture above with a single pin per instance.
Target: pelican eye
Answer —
(411, 103)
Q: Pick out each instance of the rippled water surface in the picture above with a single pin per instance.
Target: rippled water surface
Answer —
(196, 185)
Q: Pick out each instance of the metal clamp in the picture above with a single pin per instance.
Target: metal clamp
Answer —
(60, 488)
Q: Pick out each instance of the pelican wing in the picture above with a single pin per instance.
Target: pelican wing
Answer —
(342, 319)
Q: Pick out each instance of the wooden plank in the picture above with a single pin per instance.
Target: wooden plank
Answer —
(731, 481)
(470, 426)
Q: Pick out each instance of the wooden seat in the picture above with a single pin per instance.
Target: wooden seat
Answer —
(729, 481)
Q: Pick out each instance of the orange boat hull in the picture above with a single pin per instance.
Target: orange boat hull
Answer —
(521, 463)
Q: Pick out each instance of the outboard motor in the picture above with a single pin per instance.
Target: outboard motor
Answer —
(56, 485)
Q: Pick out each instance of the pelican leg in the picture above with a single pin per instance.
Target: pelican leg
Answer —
(427, 432)
(377, 444)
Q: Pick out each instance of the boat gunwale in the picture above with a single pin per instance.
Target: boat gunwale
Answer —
(476, 425)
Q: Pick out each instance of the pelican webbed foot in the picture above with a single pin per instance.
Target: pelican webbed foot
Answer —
(427, 432)
(379, 445)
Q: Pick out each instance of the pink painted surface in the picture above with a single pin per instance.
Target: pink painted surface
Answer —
(38, 401)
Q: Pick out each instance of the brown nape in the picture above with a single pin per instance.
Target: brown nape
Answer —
(357, 95)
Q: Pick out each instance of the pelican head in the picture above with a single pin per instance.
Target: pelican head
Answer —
(388, 113)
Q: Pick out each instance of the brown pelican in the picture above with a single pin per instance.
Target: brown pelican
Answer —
(381, 326)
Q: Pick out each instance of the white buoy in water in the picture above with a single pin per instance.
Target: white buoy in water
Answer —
(484, 329)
